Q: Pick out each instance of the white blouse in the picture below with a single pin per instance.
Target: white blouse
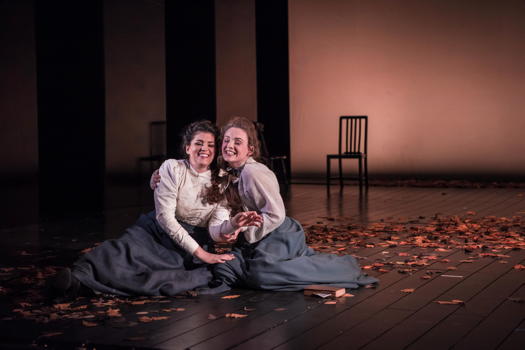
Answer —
(259, 191)
(178, 197)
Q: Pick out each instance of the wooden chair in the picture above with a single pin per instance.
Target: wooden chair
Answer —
(157, 147)
(276, 163)
(353, 144)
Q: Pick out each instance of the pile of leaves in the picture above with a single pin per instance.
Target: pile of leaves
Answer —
(440, 232)
(488, 236)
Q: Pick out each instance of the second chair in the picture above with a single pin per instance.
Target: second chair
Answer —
(353, 144)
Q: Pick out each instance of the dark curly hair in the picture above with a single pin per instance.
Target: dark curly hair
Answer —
(222, 187)
(199, 126)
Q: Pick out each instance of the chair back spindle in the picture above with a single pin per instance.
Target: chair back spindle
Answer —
(353, 132)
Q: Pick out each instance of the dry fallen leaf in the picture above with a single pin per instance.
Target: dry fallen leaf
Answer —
(51, 334)
(450, 302)
(159, 318)
(113, 312)
(230, 296)
(171, 309)
(234, 315)
(408, 290)
(348, 295)
(519, 267)
(147, 319)
(64, 306)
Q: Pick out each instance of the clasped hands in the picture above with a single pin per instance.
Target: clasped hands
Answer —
(240, 220)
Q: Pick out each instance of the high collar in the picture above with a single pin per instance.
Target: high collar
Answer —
(205, 174)
(248, 161)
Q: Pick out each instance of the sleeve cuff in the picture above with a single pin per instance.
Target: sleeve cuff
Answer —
(227, 227)
(191, 246)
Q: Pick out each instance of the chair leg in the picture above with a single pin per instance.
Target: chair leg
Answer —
(360, 160)
(328, 173)
(285, 174)
(366, 171)
(340, 172)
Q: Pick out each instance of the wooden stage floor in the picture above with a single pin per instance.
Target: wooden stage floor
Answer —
(450, 263)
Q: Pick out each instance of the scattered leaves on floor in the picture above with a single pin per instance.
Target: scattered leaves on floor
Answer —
(435, 238)
(481, 237)
(408, 290)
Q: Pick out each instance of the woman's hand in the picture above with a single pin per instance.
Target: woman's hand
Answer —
(230, 237)
(247, 218)
(154, 180)
(210, 258)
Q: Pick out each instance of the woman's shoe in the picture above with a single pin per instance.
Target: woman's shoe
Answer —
(64, 284)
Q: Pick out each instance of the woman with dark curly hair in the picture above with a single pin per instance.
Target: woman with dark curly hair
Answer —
(167, 251)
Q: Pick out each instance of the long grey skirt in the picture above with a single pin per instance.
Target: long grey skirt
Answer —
(282, 261)
(144, 261)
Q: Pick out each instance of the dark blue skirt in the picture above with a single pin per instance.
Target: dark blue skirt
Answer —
(144, 261)
(282, 261)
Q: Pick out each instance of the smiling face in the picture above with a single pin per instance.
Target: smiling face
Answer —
(201, 151)
(235, 147)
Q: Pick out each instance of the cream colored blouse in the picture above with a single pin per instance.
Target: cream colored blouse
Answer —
(178, 197)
